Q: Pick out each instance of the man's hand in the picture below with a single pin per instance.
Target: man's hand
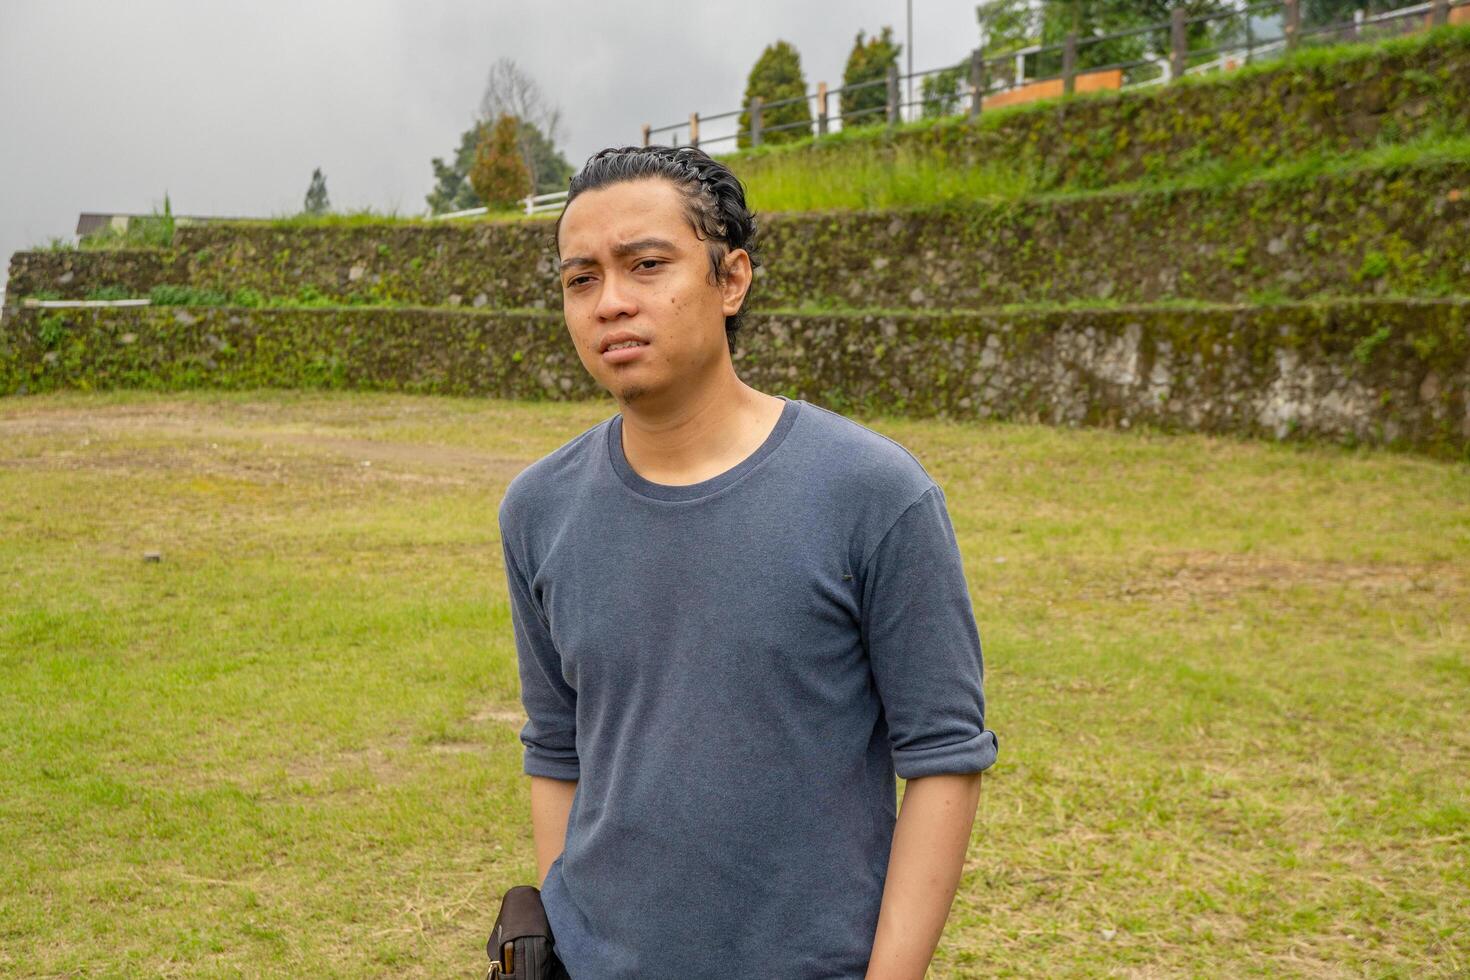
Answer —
(924, 867)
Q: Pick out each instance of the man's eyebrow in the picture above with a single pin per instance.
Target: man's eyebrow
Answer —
(622, 250)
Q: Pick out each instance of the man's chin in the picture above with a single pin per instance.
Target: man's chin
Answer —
(629, 392)
(633, 386)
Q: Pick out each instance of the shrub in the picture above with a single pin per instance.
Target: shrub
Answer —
(499, 175)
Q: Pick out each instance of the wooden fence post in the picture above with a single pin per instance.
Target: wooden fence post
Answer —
(893, 107)
(821, 108)
(755, 121)
(1292, 25)
(1069, 64)
(977, 82)
(646, 128)
(1178, 44)
(1439, 13)
(694, 130)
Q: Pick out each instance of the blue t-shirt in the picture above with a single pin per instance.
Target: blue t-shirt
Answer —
(735, 671)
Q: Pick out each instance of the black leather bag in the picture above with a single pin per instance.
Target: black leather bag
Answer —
(520, 946)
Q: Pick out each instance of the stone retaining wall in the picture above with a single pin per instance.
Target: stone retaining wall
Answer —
(1396, 230)
(72, 274)
(1371, 371)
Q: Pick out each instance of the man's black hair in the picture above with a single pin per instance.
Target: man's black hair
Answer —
(714, 201)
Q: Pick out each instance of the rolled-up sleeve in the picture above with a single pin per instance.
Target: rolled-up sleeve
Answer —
(924, 646)
(550, 732)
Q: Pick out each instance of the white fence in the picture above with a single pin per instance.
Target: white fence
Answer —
(535, 204)
(83, 304)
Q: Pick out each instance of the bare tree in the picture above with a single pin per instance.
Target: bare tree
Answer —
(511, 91)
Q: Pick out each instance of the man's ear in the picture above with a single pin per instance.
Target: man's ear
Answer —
(738, 276)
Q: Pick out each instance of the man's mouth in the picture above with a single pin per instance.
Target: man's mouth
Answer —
(628, 350)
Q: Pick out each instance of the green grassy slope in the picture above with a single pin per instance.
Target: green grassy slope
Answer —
(1228, 680)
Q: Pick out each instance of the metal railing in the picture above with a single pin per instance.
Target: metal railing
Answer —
(1148, 55)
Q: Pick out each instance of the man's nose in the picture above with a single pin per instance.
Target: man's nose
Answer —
(615, 300)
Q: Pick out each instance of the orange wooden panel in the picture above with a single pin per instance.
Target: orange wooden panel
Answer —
(1092, 81)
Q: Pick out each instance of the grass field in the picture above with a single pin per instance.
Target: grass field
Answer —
(1230, 681)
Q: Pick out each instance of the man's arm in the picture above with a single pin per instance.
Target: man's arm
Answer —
(550, 732)
(924, 867)
(924, 648)
(551, 804)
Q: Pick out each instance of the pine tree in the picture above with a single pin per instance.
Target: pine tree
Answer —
(775, 77)
(498, 173)
(316, 194)
(868, 62)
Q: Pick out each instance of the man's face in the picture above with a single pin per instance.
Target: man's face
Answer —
(633, 268)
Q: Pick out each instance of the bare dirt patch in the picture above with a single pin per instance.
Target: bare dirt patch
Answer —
(1196, 575)
(104, 439)
(381, 763)
(506, 714)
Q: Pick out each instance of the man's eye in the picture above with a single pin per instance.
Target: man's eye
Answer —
(577, 281)
(648, 263)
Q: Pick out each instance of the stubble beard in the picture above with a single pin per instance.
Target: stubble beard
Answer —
(631, 393)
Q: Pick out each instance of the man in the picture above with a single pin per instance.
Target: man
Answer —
(737, 618)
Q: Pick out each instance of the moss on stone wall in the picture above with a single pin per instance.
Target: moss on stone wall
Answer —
(440, 351)
(1373, 371)
(72, 274)
(478, 264)
(1402, 230)
(1389, 230)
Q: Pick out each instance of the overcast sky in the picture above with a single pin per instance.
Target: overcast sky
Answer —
(107, 104)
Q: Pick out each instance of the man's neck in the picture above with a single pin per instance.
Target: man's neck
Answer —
(701, 437)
